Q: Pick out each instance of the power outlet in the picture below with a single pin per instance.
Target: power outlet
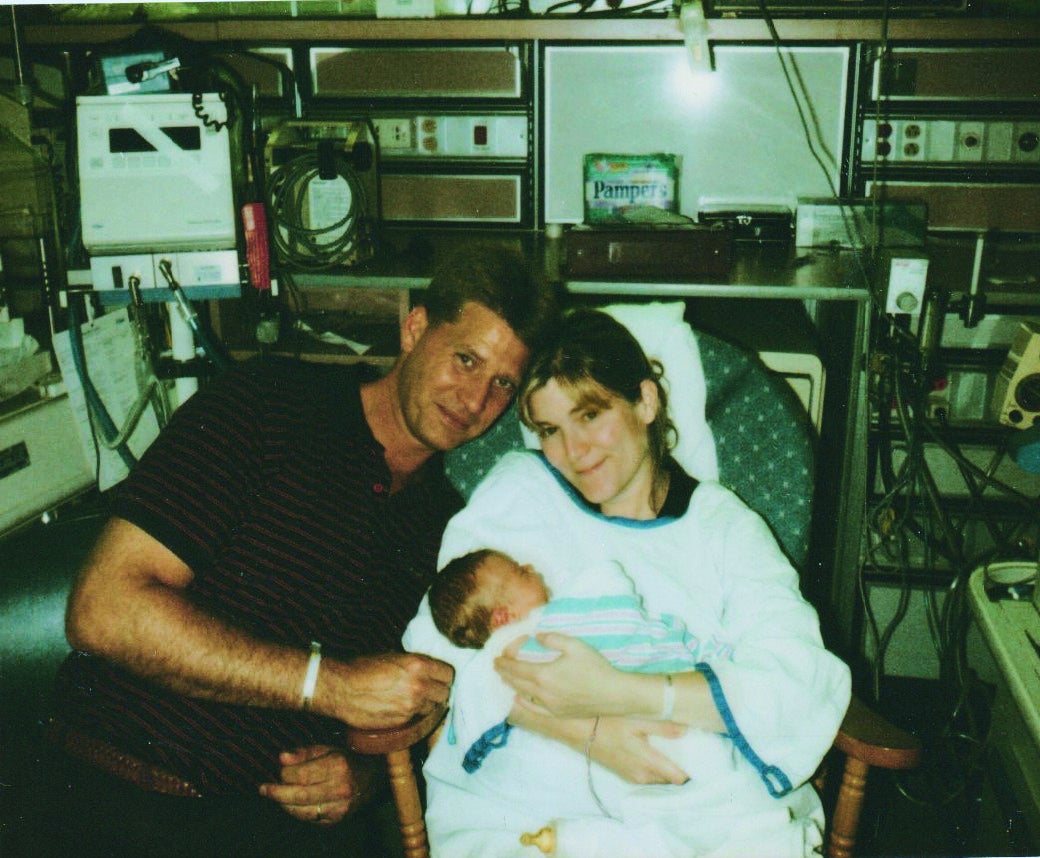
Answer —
(906, 284)
(942, 141)
(454, 136)
(395, 133)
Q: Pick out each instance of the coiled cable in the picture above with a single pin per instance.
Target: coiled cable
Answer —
(314, 247)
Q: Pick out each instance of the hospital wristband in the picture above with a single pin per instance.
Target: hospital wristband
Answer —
(668, 704)
(310, 678)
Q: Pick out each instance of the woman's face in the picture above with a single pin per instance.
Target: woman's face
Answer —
(598, 441)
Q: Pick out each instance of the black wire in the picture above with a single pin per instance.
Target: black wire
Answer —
(912, 507)
(314, 248)
(849, 222)
(198, 105)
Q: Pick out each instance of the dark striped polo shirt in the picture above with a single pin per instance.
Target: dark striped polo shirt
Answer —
(269, 484)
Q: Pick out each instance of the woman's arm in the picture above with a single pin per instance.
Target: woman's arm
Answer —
(619, 744)
(581, 683)
(783, 694)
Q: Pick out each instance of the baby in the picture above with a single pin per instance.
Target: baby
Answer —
(476, 595)
(482, 591)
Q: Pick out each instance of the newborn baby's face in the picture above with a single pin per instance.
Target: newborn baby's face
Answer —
(520, 588)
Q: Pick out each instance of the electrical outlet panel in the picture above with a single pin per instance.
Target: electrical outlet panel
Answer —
(115, 272)
(944, 141)
(453, 136)
(907, 277)
(395, 134)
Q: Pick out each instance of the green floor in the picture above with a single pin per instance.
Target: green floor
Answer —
(37, 565)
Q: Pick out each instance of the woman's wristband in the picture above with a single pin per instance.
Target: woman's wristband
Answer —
(668, 704)
(310, 678)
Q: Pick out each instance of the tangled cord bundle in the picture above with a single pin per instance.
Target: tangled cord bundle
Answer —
(314, 247)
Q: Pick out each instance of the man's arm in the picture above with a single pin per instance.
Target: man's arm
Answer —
(129, 606)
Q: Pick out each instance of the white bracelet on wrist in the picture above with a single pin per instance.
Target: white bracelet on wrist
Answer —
(668, 704)
(310, 678)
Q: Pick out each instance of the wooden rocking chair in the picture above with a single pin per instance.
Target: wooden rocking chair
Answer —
(865, 738)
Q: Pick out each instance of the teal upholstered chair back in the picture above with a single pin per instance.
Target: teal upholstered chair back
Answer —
(763, 440)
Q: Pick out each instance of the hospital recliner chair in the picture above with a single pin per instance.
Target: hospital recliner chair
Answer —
(764, 445)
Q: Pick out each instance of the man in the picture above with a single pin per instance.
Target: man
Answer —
(285, 504)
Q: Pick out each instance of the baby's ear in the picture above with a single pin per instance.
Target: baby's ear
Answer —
(500, 617)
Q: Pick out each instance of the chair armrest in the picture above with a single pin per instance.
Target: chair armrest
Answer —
(865, 735)
(398, 738)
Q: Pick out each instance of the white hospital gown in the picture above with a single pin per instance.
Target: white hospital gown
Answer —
(719, 570)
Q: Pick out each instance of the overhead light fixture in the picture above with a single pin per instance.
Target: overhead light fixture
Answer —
(695, 34)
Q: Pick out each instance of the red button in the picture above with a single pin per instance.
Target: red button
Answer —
(378, 488)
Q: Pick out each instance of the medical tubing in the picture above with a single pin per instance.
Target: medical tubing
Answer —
(107, 429)
(211, 349)
(588, 769)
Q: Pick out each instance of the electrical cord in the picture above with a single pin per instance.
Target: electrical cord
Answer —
(308, 247)
(912, 531)
(198, 105)
(852, 232)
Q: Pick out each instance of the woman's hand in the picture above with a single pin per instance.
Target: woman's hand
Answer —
(621, 744)
(321, 784)
(579, 684)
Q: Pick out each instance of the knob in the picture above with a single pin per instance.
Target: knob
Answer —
(907, 302)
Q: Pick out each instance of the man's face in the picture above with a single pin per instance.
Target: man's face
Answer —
(456, 378)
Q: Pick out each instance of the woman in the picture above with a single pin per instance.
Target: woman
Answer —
(762, 713)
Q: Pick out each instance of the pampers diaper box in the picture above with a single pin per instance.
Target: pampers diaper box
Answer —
(617, 187)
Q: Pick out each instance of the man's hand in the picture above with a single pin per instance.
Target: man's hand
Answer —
(379, 691)
(321, 784)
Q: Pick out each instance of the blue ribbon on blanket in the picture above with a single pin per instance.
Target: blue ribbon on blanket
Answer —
(493, 738)
(777, 783)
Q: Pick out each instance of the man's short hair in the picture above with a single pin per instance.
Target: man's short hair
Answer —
(499, 278)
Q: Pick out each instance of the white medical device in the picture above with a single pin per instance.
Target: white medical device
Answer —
(154, 177)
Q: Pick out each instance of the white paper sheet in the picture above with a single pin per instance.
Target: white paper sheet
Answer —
(111, 361)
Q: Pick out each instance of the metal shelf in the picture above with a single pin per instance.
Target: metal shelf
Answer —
(597, 29)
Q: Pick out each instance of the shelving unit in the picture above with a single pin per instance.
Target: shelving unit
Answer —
(834, 288)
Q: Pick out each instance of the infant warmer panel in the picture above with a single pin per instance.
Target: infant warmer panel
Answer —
(736, 129)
